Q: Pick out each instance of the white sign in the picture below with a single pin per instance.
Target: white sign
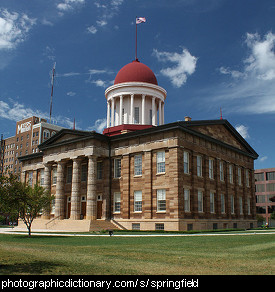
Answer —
(24, 127)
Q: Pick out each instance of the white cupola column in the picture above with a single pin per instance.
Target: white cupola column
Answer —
(113, 112)
(108, 114)
(120, 109)
(132, 110)
(154, 111)
(143, 110)
(160, 113)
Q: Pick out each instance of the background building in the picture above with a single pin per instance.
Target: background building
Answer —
(265, 192)
(29, 133)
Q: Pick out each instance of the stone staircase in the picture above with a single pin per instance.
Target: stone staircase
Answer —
(69, 225)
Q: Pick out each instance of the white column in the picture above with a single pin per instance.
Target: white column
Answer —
(91, 189)
(113, 112)
(154, 111)
(143, 110)
(160, 113)
(47, 186)
(162, 110)
(108, 114)
(131, 121)
(76, 184)
(120, 109)
(60, 191)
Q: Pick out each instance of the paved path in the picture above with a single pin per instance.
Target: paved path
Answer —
(17, 230)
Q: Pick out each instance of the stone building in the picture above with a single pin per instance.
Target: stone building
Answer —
(142, 173)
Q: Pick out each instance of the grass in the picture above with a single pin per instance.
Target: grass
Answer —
(196, 255)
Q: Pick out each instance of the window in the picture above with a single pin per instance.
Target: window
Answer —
(199, 166)
(138, 201)
(46, 135)
(200, 201)
(270, 187)
(54, 175)
(232, 204)
(116, 202)
(117, 168)
(99, 170)
(222, 204)
(241, 205)
(41, 177)
(270, 175)
(221, 171)
(259, 188)
(231, 173)
(136, 121)
(138, 164)
(260, 199)
(161, 201)
(211, 168)
(30, 178)
(186, 162)
(239, 176)
(259, 176)
(69, 174)
(186, 200)
(212, 202)
(84, 171)
(159, 226)
(135, 226)
(161, 162)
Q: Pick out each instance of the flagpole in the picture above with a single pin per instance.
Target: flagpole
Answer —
(136, 38)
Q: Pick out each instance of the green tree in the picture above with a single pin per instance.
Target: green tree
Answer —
(20, 200)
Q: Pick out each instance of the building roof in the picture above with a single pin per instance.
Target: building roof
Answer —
(136, 72)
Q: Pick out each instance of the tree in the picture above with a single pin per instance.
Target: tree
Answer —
(23, 201)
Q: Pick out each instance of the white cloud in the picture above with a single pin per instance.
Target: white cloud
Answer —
(98, 126)
(71, 93)
(263, 158)
(243, 130)
(13, 28)
(106, 12)
(251, 89)
(101, 83)
(185, 65)
(69, 4)
(16, 111)
(92, 29)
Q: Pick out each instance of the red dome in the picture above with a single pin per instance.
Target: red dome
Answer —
(136, 72)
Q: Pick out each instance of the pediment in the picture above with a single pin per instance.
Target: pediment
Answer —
(65, 136)
(224, 132)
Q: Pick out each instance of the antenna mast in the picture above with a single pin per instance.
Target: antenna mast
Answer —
(51, 105)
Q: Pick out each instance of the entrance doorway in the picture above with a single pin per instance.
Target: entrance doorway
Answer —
(68, 211)
(83, 207)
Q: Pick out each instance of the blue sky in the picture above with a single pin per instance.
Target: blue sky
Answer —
(207, 54)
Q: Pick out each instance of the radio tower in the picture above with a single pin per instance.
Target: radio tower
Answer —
(51, 105)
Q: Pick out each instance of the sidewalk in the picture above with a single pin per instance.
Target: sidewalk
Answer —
(44, 232)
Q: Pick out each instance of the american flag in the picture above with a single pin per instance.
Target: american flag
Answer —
(140, 20)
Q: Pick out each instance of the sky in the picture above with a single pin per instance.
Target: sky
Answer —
(207, 54)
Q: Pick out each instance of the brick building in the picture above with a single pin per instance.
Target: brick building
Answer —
(142, 173)
(265, 192)
(29, 133)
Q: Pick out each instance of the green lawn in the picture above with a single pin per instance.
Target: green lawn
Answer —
(250, 254)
